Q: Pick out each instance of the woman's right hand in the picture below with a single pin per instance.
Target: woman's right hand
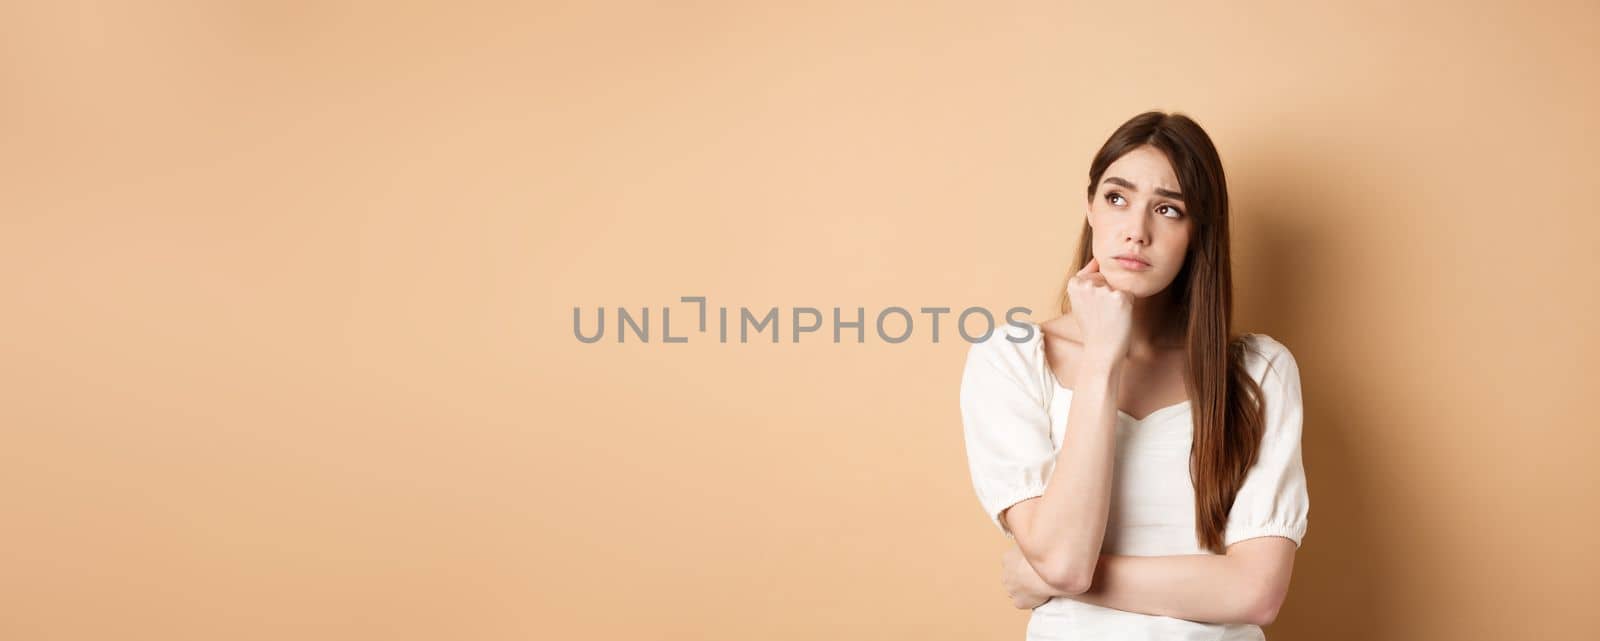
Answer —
(1104, 314)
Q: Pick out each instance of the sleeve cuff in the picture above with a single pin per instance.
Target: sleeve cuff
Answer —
(998, 501)
(1293, 531)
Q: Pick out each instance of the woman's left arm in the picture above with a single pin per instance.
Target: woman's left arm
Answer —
(1248, 584)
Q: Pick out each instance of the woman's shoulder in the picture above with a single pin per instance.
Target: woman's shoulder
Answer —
(1063, 327)
(1014, 349)
(1264, 354)
(1012, 341)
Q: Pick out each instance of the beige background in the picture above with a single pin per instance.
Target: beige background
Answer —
(286, 293)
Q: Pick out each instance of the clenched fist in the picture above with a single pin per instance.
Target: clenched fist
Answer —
(1104, 314)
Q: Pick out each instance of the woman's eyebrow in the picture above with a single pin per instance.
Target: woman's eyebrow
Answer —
(1159, 191)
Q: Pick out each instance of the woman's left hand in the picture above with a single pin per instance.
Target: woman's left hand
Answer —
(1027, 590)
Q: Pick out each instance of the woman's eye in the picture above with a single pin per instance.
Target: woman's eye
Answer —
(1114, 198)
(1170, 208)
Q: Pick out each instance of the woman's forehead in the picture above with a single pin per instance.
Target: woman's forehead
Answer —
(1146, 167)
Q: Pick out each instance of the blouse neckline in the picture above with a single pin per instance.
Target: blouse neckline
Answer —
(1137, 421)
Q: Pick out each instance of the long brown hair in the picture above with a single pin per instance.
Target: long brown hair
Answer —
(1227, 403)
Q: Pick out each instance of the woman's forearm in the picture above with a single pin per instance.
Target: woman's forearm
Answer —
(1063, 530)
(1211, 588)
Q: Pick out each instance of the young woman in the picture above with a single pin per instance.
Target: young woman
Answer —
(1143, 457)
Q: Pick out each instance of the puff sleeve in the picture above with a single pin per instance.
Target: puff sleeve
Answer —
(1274, 501)
(1006, 423)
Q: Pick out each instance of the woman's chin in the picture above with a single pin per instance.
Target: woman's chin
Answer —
(1127, 283)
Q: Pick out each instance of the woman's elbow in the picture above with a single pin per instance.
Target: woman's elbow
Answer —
(1069, 578)
(1056, 570)
(1052, 563)
(1261, 617)
(1265, 609)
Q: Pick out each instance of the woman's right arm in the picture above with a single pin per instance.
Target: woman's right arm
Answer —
(1060, 532)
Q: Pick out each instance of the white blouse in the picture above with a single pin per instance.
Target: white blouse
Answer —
(1014, 414)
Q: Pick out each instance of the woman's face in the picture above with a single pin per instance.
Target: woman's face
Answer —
(1138, 211)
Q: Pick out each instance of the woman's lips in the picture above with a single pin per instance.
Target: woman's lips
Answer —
(1131, 264)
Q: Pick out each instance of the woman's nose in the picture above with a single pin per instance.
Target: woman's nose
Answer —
(1138, 229)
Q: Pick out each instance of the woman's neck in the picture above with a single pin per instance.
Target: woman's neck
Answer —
(1155, 326)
